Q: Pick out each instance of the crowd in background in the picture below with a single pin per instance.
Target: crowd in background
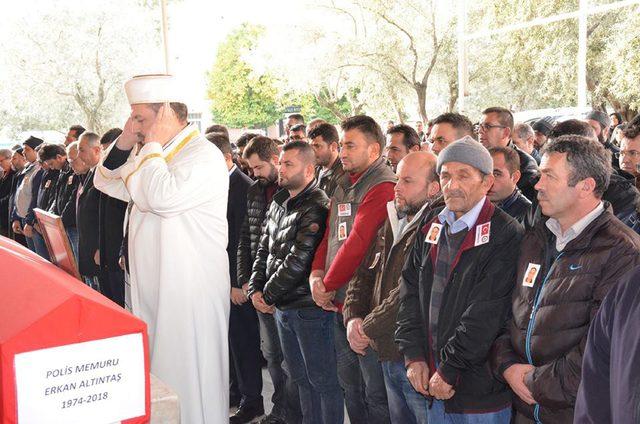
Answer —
(455, 272)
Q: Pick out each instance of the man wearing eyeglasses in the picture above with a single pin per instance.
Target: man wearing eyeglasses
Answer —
(629, 154)
(495, 130)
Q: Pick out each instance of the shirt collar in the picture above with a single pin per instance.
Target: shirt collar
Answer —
(233, 169)
(467, 220)
(575, 230)
(399, 226)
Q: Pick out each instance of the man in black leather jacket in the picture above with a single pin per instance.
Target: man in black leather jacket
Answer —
(505, 193)
(294, 226)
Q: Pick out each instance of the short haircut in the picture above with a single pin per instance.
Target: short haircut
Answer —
(221, 141)
(51, 151)
(92, 138)
(315, 122)
(305, 151)
(6, 153)
(367, 126)
(245, 138)
(511, 157)
(180, 109)
(410, 137)
(505, 117)
(262, 146)
(631, 131)
(572, 127)
(460, 123)
(587, 158)
(217, 128)
(298, 117)
(78, 129)
(110, 136)
(328, 132)
(299, 127)
(523, 130)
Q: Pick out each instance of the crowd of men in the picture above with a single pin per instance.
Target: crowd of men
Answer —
(448, 273)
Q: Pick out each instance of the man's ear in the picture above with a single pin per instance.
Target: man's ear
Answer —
(515, 177)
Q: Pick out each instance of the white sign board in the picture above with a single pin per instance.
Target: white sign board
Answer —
(101, 381)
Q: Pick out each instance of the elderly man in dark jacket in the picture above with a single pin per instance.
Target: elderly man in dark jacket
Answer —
(371, 306)
(505, 193)
(294, 227)
(455, 293)
(567, 265)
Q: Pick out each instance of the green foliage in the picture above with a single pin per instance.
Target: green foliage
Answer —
(240, 98)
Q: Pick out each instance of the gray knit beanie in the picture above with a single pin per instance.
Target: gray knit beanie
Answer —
(467, 151)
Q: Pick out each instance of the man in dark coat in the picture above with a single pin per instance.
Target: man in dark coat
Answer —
(244, 333)
(505, 193)
(455, 293)
(6, 180)
(567, 265)
(495, 130)
(611, 365)
(88, 211)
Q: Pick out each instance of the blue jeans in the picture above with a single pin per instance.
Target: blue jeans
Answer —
(40, 245)
(286, 404)
(306, 336)
(437, 415)
(362, 381)
(72, 234)
(405, 404)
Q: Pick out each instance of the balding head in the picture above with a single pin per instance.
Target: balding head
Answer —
(417, 182)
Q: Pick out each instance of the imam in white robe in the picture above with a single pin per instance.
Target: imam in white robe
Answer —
(178, 265)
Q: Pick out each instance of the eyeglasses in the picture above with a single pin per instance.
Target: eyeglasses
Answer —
(487, 127)
(634, 154)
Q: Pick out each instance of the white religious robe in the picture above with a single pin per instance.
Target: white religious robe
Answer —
(179, 267)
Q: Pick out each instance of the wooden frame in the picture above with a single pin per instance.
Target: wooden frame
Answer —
(55, 236)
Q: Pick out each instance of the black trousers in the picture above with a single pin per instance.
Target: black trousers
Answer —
(246, 359)
(112, 285)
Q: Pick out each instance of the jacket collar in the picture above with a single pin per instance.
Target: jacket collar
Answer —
(394, 221)
(282, 197)
(348, 185)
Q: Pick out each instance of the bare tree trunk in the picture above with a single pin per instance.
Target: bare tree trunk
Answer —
(421, 92)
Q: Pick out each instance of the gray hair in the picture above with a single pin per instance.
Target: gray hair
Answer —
(6, 153)
(92, 138)
(523, 130)
(587, 158)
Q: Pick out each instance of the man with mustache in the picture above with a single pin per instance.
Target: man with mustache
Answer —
(261, 154)
(580, 252)
(455, 293)
(372, 297)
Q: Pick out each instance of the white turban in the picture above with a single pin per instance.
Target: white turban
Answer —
(158, 88)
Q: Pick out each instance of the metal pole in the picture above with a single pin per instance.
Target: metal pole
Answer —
(165, 36)
(463, 70)
(582, 53)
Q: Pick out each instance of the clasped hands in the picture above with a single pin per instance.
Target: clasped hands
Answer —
(418, 375)
(319, 293)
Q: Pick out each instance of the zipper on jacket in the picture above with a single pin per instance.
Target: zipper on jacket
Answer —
(534, 310)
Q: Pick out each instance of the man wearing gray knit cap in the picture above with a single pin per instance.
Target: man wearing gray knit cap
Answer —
(455, 293)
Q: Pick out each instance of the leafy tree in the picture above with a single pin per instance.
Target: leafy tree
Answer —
(240, 97)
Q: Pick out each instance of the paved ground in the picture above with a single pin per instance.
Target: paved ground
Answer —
(267, 392)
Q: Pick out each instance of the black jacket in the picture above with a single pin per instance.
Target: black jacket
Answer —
(293, 230)
(475, 305)
(110, 224)
(6, 183)
(87, 219)
(610, 391)
(46, 193)
(239, 183)
(64, 204)
(529, 173)
(516, 206)
(251, 230)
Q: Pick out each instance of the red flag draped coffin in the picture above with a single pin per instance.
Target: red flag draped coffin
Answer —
(67, 353)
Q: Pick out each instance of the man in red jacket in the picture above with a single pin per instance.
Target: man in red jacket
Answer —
(357, 211)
